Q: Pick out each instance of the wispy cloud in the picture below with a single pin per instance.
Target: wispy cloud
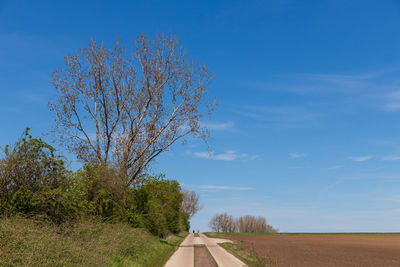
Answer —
(334, 167)
(393, 101)
(361, 158)
(283, 116)
(391, 158)
(393, 198)
(296, 155)
(344, 81)
(347, 83)
(223, 187)
(218, 126)
(348, 91)
(228, 155)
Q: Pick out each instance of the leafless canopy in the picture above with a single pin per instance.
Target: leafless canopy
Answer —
(223, 223)
(244, 224)
(125, 107)
(190, 203)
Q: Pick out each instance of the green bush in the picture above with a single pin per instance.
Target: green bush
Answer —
(21, 201)
(158, 201)
(134, 219)
(93, 192)
(105, 203)
(35, 182)
(153, 204)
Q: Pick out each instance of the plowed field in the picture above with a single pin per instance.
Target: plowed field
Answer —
(323, 249)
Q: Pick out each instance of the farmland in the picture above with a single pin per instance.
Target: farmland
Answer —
(322, 249)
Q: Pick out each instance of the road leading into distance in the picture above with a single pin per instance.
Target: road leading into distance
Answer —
(184, 256)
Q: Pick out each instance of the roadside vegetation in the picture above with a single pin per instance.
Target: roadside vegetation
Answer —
(36, 183)
(52, 216)
(29, 242)
(117, 110)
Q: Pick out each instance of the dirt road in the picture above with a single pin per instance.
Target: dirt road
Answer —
(184, 256)
(324, 249)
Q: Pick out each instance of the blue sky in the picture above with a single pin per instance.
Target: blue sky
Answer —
(307, 132)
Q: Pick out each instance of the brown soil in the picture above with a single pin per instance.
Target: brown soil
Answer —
(202, 257)
(323, 250)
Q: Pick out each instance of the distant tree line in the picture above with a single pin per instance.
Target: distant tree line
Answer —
(244, 224)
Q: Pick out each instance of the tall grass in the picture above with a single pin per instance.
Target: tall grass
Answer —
(26, 242)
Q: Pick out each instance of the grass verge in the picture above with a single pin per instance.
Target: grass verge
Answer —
(212, 234)
(26, 242)
(248, 256)
(250, 259)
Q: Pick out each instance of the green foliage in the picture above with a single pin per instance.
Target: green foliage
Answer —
(21, 201)
(134, 219)
(55, 205)
(154, 203)
(80, 193)
(32, 180)
(98, 190)
(28, 242)
(105, 203)
(35, 182)
(158, 201)
(32, 163)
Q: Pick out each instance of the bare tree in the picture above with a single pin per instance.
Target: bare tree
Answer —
(125, 107)
(229, 223)
(214, 223)
(190, 203)
(223, 222)
(244, 224)
(251, 224)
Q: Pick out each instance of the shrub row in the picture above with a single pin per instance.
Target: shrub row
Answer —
(34, 181)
